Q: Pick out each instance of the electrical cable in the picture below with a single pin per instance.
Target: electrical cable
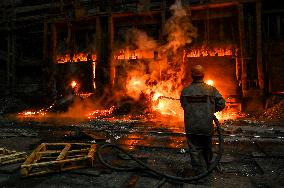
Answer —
(164, 176)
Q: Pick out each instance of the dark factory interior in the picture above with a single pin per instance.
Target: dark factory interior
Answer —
(92, 92)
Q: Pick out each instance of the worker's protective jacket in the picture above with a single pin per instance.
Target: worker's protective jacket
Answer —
(200, 101)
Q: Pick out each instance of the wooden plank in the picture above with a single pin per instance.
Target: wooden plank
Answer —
(64, 161)
(55, 157)
(34, 155)
(6, 151)
(91, 154)
(64, 152)
(12, 156)
(50, 163)
(48, 171)
(50, 152)
(13, 161)
(63, 144)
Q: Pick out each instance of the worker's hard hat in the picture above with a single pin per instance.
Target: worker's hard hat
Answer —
(197, 71)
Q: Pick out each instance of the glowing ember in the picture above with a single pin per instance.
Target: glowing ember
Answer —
(229, 113)
(73, 84)
(33, 113)
(101, 113)
(210, 82)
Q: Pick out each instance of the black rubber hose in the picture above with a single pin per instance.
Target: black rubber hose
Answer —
(160, 174)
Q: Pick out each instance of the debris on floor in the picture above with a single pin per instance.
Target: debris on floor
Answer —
(274, 112)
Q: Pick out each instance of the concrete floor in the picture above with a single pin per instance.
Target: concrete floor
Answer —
(253, 156)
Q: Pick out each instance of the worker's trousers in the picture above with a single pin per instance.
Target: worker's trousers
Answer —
(200, 149)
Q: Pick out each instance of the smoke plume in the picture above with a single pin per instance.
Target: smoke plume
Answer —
(161, 75)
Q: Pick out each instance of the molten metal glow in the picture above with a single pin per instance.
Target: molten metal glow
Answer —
(138, 84)
(127, 54)
(100, 113)
(163, 97)
(78, 57)
(210, 82)
(156, 96)
(73, 84)
(216, 51)
(229, 114)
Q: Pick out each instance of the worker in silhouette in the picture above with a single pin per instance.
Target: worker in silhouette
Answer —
(200, 101)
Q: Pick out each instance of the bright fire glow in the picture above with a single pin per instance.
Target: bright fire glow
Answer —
(210, 82)
(229, 113)
(158, 75)
(156, 96)
(165, 99)
(134, 54)
(136, 85)
(77, 57)
(33, 113)
(73, 84)
(100, 113)
(215, 51)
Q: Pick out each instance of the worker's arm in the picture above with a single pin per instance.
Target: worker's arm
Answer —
(220, 102)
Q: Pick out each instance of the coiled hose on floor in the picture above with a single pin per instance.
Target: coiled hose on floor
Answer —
(159, 174)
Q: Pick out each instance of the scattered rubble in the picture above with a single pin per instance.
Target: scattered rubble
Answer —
(275, 112)
(13, 132)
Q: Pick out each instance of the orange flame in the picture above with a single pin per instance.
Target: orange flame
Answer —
(79, 57)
